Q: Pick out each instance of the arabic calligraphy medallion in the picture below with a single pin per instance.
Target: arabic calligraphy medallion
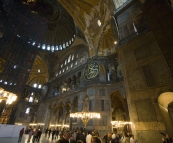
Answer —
(91, 70)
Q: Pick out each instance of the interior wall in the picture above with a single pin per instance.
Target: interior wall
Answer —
(142, 61)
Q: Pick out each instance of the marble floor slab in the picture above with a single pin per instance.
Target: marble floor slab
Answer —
(43, 139)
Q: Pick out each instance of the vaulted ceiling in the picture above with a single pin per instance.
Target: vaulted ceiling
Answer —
(87, 14)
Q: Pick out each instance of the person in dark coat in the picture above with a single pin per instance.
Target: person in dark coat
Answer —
(80, 136)
(53, 134)
(21, 134)
(39, 134)
(95, 139)
(49, 132)
(46, 131)
(107, 138)
(65, 137)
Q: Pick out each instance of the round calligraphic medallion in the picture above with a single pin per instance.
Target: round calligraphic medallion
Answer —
(91, 70)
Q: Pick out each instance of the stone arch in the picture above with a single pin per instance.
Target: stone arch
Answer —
(118, 106)
(164, 100)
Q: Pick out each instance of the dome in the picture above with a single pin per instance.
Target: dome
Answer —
(43, 24)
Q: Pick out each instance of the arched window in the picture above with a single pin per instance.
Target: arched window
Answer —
(39, 86)
(69, 41)
(60, 47)
(119, 3)
(48, 47)
(71, 65)
(35, 85)
(76, 63)
(43, 46)
(69, 58)
(56, 48)
(72, 57)
(64, 46)
(52, 48)
(27, 111)
(31, 99)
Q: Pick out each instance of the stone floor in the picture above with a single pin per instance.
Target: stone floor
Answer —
(43, 139)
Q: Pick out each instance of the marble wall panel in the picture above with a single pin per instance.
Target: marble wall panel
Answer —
(145, 110)
(103, 121)
(145, 126)
(107, 105)
(162, 73)
(142, 52)
(102, 92)
(97, 105)
(129, 59)
(149, 136)
(136, 80)
(149, 76)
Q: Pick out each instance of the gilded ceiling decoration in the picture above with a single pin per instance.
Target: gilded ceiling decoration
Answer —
(39, 73)
(87, 14)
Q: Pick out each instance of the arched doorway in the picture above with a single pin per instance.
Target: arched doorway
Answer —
(120, 113)
(165, 101)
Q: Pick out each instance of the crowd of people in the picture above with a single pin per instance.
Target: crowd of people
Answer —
(78, 135)
(81, 136)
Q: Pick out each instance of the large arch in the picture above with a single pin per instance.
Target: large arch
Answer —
(117, 105)
(164, 100)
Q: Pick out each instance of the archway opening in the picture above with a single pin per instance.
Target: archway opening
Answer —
(165, 101)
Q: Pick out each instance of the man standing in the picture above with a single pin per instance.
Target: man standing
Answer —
(88, 137)
(21, 134)
(65, 137)
(30, 135)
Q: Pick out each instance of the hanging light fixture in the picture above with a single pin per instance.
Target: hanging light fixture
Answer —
(85, 115)
(7, 96)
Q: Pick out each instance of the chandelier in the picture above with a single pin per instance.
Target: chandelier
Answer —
(7, 96)
(85, 115)
(120, 123)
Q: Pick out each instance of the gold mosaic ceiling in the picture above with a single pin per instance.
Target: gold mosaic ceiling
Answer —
(86, 14)
(39, 73)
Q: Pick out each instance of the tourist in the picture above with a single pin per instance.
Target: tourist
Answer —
(65, 137)
(95, 139)
(88, 137)
(30, 135)
(21, 134)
